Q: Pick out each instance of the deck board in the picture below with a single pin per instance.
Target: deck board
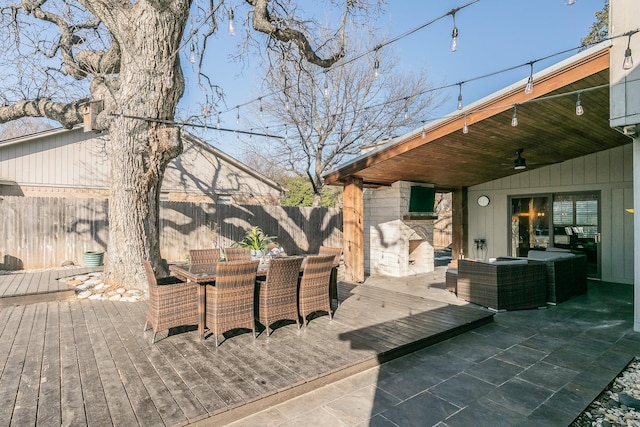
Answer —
(92, 364)
(48, 413)
(73, 410)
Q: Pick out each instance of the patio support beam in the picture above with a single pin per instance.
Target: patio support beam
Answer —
(353, 229)
(459, 227)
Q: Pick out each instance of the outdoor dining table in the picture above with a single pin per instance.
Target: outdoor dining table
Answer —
(205, 274)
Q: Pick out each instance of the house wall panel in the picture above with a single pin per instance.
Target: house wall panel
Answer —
(590, 168)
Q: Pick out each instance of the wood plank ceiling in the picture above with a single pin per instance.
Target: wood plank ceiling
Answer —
(548, 131)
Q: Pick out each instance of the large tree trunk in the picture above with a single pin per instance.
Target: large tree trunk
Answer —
(139, 151)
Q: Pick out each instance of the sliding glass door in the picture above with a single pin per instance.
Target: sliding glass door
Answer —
(576, 226)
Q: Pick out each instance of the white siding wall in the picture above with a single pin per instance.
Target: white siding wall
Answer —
(65, 159)
(78, 160)
(610, 172)
(198, 170)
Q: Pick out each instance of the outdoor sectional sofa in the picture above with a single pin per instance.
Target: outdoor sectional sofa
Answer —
(503, 284)
(566, 273)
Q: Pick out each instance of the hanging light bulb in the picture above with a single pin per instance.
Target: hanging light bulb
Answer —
(376, 65)
(406, 110)
(192, 56)
(460, 97)
(218, 122)
(454, 34)
(465, 128)
(514, 119)
(260, 99)
(232, 28)
(579, 109)
(237, 116)
(627, 64)
(286, 133)
(528, 89)
(326, 87)
(423, 134)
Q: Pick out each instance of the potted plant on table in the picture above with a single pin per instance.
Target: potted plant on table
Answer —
(256, 241)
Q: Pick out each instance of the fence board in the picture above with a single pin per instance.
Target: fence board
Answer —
(46, 231)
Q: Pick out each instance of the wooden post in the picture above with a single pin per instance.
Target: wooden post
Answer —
(459, 228)
(353, 229)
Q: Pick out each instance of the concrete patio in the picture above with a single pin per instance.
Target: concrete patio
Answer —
(529, 368)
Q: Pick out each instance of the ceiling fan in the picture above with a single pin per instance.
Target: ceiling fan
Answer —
(520, 163)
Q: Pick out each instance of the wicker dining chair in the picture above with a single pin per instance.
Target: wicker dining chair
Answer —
(229, 303)
(277, 296)
(313, 294)
(171, 302)
(333, 284)
(237, 254)
(204, 256)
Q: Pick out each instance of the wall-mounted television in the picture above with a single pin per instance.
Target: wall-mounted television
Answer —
(421, 201)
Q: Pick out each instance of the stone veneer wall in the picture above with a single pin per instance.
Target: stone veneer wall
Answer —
(387, 235)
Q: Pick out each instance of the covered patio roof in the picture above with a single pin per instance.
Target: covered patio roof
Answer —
(549, 131)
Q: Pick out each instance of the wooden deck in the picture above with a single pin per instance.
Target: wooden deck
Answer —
(89, 363)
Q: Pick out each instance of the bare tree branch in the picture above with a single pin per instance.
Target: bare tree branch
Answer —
(265, 23)
(66, 114)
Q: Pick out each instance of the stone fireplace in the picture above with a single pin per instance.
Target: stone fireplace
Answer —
(396, 244)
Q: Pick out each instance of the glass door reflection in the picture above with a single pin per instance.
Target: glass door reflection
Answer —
(529, 224)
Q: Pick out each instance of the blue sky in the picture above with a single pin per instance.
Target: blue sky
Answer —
(493, 35)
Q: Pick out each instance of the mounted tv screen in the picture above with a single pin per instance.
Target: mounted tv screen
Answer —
(422, 199)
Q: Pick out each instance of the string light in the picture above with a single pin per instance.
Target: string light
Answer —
(514, 119)
(579, 109)
(260, 100)
(326, 86)
(465, 128)
(627, 64)
(238, 116)
(406, 109)
(376, 64)
(218, 123)
(454, 33)
(423, 134)
(192, 56)
(460, 97)
(528, 89)
(232, 28)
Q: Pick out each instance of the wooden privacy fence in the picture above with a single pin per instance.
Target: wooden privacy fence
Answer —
(44, 232)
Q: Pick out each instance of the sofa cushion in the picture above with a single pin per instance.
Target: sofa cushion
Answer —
(548, 256)
(494, 261)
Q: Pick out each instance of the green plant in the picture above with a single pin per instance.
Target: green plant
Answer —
(255, 239)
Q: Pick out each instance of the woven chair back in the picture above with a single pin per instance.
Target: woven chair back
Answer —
(237, 254)
(314, 286)
(236, 274)
(336, 252)
(204, 256)
(151, 276)
(277, 296)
